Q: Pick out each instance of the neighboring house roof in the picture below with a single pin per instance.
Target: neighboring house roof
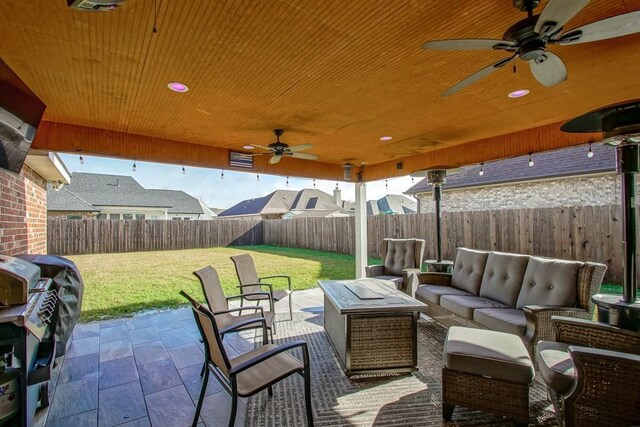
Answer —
(316, 213)
(392, 204)
(64, 200)
(217, 210)
(97, 190)
(278, 202)
(313, 199)
(572, 161)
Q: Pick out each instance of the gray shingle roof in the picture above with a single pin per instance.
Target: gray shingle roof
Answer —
(572, 161)
(180, 201)
(64, 200)
(277, 202)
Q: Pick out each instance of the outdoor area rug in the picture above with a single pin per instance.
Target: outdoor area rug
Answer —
(404, 400)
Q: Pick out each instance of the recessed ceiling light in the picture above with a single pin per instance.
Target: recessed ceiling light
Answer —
(248, 147)
(178, 87)
(519, 93)
(386, 138)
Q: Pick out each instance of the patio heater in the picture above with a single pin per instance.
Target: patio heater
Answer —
(620, 124)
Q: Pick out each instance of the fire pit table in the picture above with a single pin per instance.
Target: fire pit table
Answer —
(372, 326)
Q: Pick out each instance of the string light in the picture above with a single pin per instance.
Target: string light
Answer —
(386, 184)
(81, 160)
(590, 152)
(287, 182)
(184, 171)
(481, 169)
(221, 174)
(337, 188)
(412, 180)
(314, 183)
(530, 160)
(134, 166)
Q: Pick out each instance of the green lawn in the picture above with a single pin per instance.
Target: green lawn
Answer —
(123, 284)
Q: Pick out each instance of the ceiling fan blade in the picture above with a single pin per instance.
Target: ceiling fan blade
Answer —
(556, 14)
(609, 28)
(275, 159)
(548, 69)
(300, 147)
(305, 156)
(467, 44)
(261, 147)
(477, 76)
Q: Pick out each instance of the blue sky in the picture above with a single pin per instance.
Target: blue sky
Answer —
(207, 185)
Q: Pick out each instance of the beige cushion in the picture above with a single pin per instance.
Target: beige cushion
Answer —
(432, 293)
(550, 282)
(503, 276)
(555, 365)
(401, 254)
(509, 320)
(463, 305)
(493, 354)
(257, 376)
(468, 269)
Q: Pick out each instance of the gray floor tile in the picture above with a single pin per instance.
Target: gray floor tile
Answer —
(88, 330)
(74, 398)
(160, 375)
(112, 323)
(150, 352)
(143, 335)
(115, 350)
(165, 322)
(140, 322)
(114, 333)
(83, 347)
(86, 419)
(190, 325)
(175, 337)
(118, 371)
(193, 381)
(186, 355)
(79, 368)
(184, 313)
(140, 422)
(171, 408)
(121, 404)
(216, 409)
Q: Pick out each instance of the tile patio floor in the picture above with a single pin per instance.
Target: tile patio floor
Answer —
(145, 371)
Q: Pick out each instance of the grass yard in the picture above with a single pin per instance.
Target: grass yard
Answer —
(123, 284)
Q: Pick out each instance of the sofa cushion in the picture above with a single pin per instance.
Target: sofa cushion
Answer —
(555, 365)
(432, 293)
(509, 320)
(494, 354)
(503, 276)
(463, 305)
(550, 282)
(401, 254)
(395, 279)
(468, 269)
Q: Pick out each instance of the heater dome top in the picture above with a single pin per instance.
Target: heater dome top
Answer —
(615, 119)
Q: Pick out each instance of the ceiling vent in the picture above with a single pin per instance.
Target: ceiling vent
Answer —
(95, 5)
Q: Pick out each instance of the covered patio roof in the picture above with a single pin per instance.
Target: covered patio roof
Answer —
(333, 74)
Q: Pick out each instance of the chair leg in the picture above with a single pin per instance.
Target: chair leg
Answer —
(307, 395)
(290, 307)
(270, 390)
(204, 368)
(234, 408)
(203, 391)
(447, 411)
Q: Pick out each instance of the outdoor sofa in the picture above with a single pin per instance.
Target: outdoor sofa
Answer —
(510, 293)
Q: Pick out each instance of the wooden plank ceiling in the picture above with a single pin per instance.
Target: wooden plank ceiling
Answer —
(336, 74)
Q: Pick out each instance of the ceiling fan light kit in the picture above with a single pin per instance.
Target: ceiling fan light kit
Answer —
(527, 39)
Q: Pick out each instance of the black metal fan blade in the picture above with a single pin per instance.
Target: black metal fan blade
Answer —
(477, 76)
(616, 26)
(467, 44)
(556, 14)
(548, 69)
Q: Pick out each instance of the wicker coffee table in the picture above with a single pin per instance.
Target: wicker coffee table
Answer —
(372, 326)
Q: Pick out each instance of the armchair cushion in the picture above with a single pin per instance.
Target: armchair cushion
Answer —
(374, 270)
(502, 277)
(398, 281)
(432, 293)
(401, 254)
(468, 270)
(509, 320)
(555, 365)
(549, 282)
(464, 305)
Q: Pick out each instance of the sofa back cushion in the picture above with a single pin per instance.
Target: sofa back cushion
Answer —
(401, 254)
(503, 276)
(550, 282)
(468, 269)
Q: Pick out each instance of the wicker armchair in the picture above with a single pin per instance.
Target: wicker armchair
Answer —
(592, 371)
(402, 260)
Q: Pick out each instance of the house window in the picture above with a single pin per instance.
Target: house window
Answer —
(311, 204)
(154, 216)
(101, 216)
(127, 216)
(114, 216)
(176, 218)
(74, 216)
(139, 216)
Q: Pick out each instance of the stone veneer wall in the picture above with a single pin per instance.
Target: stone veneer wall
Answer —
(23, 212)
(580, 191)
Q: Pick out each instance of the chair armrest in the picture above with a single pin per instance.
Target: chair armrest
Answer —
(374, 270)
(248, 294)
(241, 309)
(246, 323)
(588, 333)
(410, 281)
(432, 278)
(278, 277)
(268, 354)
(539, 325)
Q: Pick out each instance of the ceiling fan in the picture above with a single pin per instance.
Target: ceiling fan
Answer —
(280, 149)
(528, 39)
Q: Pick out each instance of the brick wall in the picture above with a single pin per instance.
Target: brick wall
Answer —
(581, 191)
(63, 214)
(23, 213)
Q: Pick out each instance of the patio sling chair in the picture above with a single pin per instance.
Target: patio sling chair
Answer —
(251, 284)
(250, 372)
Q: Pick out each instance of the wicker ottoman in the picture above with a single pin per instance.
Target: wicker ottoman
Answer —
(486, 370)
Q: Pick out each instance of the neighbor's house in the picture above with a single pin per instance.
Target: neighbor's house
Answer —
(286, 204)
(566, 177)
(100, 196)
(392, 204)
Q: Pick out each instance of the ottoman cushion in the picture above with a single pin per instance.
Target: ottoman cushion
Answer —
(489, 353)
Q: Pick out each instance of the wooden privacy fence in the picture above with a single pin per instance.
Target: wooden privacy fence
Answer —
(91, 236)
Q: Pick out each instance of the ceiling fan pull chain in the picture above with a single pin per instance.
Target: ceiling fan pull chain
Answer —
(514, 68)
